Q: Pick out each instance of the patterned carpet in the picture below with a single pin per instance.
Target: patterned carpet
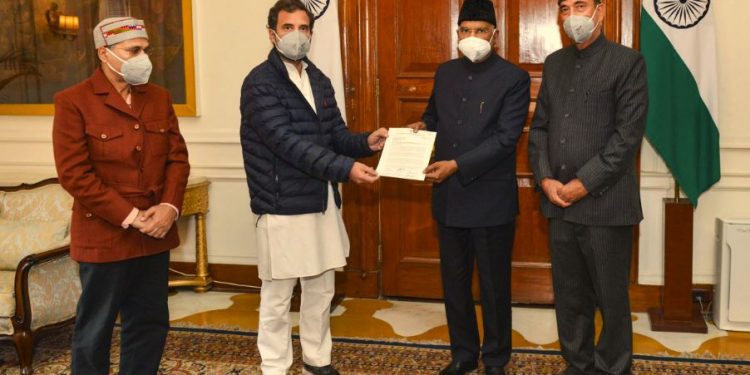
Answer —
(200, 351)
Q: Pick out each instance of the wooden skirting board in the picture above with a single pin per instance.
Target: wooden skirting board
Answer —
(353, 283)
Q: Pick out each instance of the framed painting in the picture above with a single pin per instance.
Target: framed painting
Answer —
(47, 46)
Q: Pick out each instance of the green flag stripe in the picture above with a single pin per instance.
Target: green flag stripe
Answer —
(679, 125)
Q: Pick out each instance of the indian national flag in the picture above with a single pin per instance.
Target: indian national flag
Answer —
(325, 51)
(679, 44)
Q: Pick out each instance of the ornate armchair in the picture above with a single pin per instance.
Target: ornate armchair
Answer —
(39, 284)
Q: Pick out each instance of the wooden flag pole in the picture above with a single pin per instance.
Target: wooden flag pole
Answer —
(678, 312)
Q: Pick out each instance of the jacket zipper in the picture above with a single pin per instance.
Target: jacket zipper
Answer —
(277, 187)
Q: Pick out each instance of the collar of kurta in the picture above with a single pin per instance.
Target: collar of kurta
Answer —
(291, 68)
(103, 86)
(592, 49)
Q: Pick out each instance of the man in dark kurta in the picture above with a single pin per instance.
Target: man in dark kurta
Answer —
(587, 128)
(478, 109)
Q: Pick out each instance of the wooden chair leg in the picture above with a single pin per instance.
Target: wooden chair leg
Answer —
(24, 343)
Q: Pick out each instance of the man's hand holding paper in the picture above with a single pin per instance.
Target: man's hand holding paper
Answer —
(406, 153)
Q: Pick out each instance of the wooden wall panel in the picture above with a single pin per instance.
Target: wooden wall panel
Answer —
(538, 31)
(360, 207)
(421, 44)
(410, 110)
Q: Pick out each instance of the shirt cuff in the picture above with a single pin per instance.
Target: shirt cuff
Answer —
(130, 219)
(176, 211)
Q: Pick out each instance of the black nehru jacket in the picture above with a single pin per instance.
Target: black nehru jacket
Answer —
(478, 111)
(588, 124)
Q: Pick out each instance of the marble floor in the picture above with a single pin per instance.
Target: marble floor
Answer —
(425, 322)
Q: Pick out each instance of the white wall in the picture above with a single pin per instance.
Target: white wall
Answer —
(230, 39)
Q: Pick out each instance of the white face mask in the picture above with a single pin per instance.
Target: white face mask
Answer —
(580, 28)
(294, 45)
(475, 49)
(135, 71)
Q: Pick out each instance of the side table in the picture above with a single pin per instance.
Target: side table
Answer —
(195, 203)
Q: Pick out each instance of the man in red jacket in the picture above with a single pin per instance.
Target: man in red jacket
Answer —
(119, 153)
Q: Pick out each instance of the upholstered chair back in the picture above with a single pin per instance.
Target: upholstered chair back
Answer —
(32, 221)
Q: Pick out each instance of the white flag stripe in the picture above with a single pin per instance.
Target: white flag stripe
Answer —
(325, 51)
(697, 48)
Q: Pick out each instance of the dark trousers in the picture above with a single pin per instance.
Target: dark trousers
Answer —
(590, 269)
(137, 290)
(491, 248)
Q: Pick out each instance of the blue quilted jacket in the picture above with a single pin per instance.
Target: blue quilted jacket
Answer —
(290, 152)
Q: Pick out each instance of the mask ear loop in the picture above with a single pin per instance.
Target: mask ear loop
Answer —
(592, 16)
(114, 54)
(110, 65)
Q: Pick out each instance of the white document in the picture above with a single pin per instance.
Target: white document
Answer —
(406, 154)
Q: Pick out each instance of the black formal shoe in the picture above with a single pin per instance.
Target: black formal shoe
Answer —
(494, 370)
(323, 370)
(459, 368)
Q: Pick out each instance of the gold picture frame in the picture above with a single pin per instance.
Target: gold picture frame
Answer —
(73, 55)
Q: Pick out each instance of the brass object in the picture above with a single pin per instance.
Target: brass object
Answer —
(195, 203)
(62, 26)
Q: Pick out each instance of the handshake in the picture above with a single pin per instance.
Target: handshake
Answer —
(156, 221)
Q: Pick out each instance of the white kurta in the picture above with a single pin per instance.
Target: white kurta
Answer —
(291, 246)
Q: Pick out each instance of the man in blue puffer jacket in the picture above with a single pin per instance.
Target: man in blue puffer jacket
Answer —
(296, 149)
